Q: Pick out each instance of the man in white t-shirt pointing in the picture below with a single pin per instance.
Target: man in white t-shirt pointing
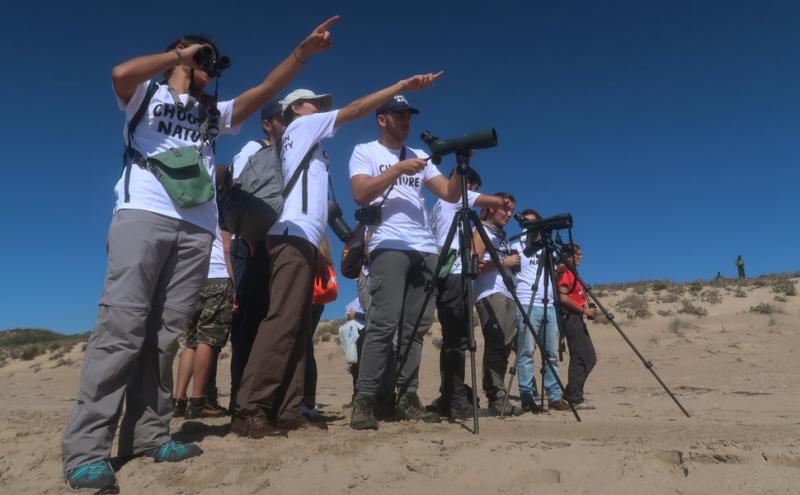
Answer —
(388, 177)
(272, 383)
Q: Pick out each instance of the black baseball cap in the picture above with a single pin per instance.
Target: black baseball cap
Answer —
(398, 103)
(270, 110)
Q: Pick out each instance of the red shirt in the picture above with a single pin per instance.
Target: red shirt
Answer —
(576, 294)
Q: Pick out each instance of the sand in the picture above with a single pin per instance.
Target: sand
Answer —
(735, 371)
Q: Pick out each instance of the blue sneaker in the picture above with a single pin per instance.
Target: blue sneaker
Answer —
(172, 451)
(97, 475)
(309, 412)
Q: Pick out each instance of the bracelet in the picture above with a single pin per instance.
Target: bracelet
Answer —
(180, 57)
(298, 58)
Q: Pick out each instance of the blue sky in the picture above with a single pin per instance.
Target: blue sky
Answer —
(668, 129)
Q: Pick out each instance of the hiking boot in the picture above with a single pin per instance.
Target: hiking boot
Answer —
(496, 409)
(363, 417)
(460, 410)
(179, 407)
(195, 407)
(558, 405)
(172, 451)
(97, 475)
(255, 426)
(409, 408)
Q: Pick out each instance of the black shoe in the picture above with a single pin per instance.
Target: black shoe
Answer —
(409, 408)
(214, 409)
(194, 410)
(179, 407)
(460, 410)
(363, 417)
(531, 406)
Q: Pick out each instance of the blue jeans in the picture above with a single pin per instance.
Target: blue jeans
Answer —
(526, 369)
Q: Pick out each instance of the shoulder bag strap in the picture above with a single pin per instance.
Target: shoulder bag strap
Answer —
(130, 152)
(301, 169)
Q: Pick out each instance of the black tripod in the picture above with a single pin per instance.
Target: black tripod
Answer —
(464, 221)
(545, 272)
(647, 364)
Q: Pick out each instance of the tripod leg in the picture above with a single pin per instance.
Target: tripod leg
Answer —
(647, 364)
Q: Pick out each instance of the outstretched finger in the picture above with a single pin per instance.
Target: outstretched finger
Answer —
(437, 75)
(330, 22)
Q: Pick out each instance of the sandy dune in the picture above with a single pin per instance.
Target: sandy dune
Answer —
(736, 372)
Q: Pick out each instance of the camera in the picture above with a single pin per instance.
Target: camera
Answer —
(555, 222)
(369, 215)
(337, 223)
(484, 138)
(206, 59)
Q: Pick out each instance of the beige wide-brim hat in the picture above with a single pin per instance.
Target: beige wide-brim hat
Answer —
(324, 101)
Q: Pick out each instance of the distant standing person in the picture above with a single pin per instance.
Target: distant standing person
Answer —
(740, 266)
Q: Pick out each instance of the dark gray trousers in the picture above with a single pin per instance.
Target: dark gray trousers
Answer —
(498, 315)
(397, 281)
(582, 357)
(156, 268)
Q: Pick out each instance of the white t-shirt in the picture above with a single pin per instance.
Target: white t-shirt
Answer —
(526, 276)
(404, 223)
(491, 282)
(299, 137)
(217, 267)
(442, 215)
(165, 126)
(240, 160)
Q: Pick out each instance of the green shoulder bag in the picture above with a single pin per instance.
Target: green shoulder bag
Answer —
(183, 174)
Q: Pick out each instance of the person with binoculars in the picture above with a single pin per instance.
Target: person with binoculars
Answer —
(159, 245)
(387, 178)
(271, 388)
(496, 308)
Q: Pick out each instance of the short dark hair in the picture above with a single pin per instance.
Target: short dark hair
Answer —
(472, 177)
(484, 215)
(531, 211)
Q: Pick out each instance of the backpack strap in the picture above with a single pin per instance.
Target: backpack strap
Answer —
(130, 152)
(301, 169)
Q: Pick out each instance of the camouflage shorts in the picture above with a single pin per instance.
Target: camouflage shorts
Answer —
(211, 322)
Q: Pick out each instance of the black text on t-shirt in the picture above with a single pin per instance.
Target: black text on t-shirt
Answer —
(403, 180)
(167, 114)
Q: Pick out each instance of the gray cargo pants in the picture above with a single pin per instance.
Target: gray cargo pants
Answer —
(498, 315)
(397, 281)
(156, 268)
